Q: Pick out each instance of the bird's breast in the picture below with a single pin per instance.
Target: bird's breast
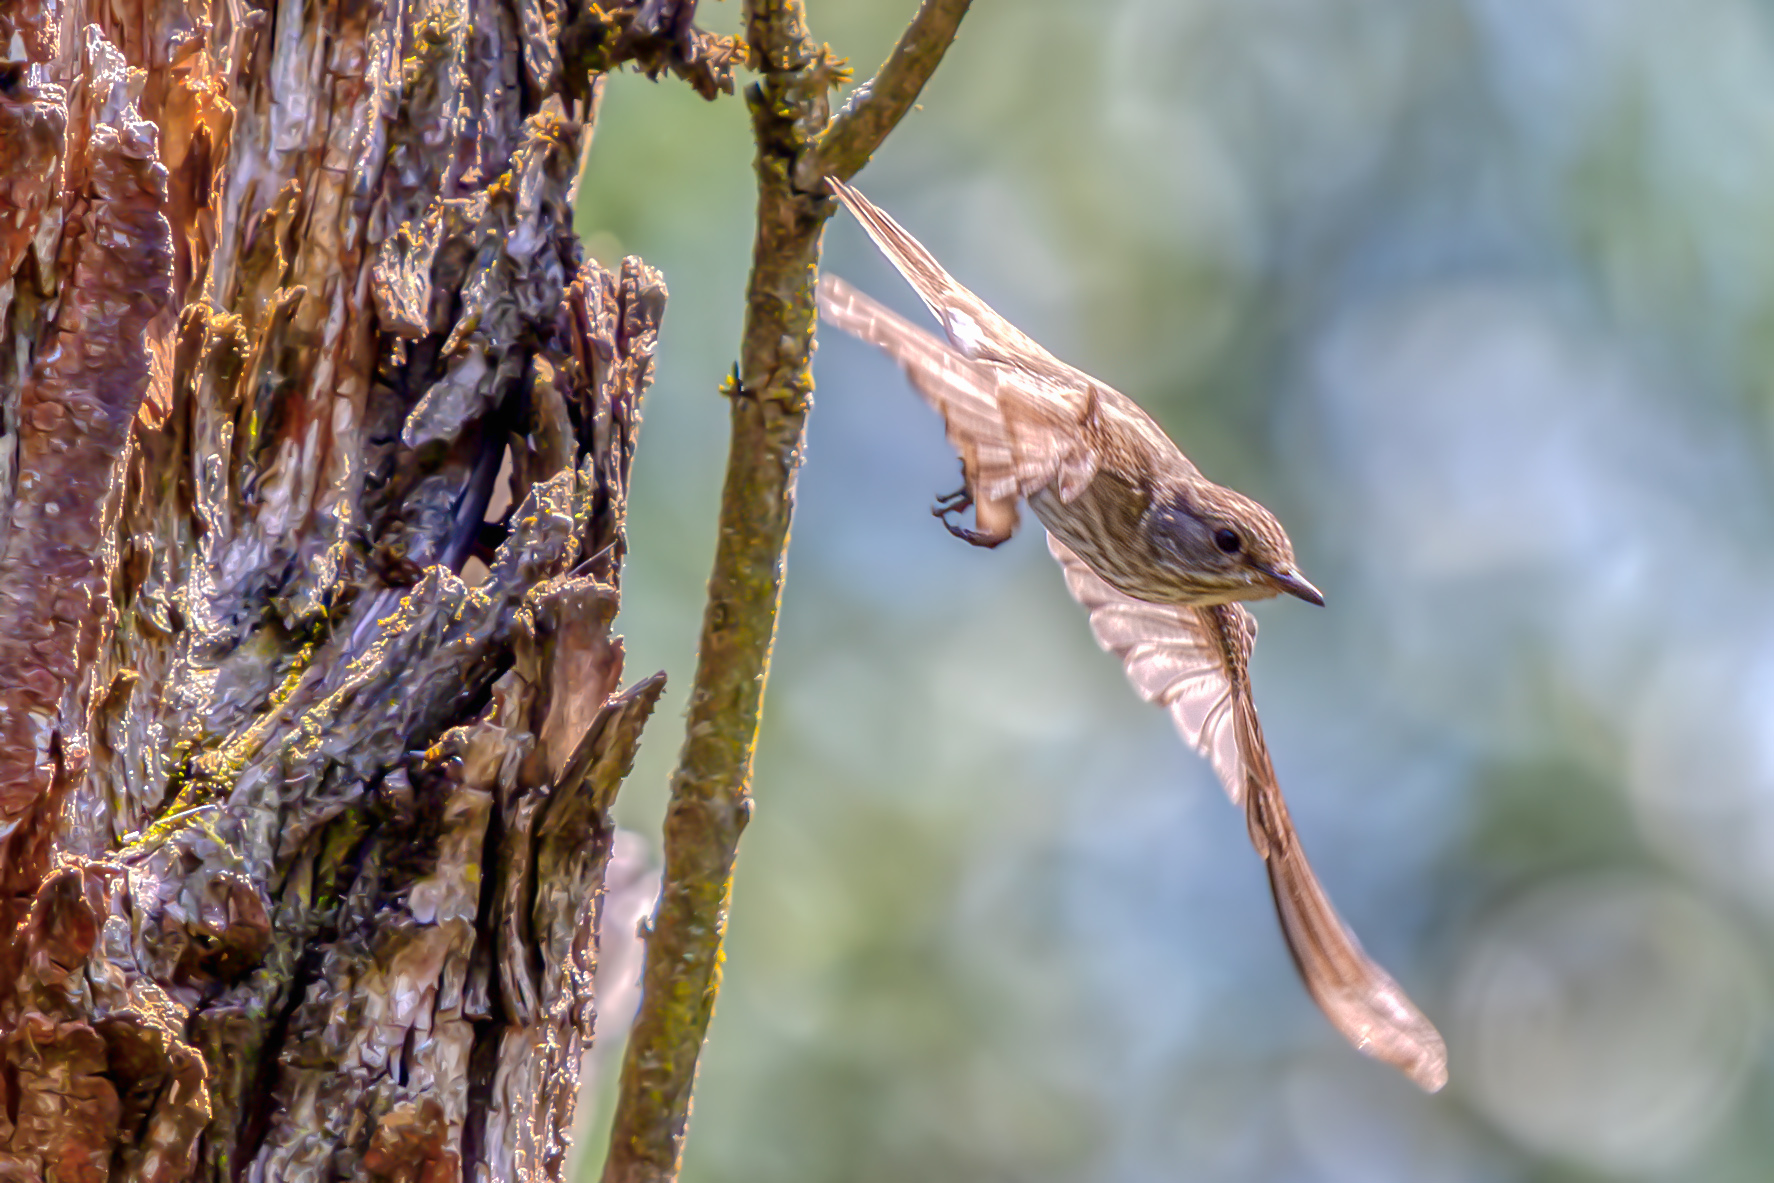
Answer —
(1102, 526)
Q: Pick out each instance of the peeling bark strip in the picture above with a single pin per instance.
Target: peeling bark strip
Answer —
(69, 420)
(711, 789)
(303, 827)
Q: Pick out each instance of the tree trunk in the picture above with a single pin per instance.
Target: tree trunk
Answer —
(305, 765)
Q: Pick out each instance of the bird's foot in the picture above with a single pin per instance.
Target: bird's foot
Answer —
(958, 502)
(976, 537)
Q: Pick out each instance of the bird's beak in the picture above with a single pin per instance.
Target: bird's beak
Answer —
(1294, 584)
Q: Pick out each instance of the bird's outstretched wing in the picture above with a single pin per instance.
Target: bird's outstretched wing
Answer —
(963, 391)
(1014, 412)
(972, 326)
(1194, 663)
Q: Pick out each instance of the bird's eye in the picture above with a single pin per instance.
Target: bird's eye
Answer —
(1227, 540)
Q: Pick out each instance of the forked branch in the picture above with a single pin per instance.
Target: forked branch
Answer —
(876, 107)
(770, 395)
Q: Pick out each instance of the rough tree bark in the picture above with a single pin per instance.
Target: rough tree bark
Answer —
(315, 430)
(302, 832)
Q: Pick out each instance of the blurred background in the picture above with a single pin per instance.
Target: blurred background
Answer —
(1478, 297)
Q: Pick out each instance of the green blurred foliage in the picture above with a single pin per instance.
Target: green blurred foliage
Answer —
(1477, 297)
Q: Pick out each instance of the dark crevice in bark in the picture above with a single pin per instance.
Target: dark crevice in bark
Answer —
(483, 1061)
(261, 1108)
(471, 511)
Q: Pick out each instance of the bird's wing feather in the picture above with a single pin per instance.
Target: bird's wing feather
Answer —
(1194, 661)
(1035, 405)
(1012, 441)
(964, 391)
(973, 326)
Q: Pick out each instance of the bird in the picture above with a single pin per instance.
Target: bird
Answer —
(1162, 560)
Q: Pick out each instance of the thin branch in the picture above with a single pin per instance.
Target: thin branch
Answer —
(875, 108)
(770, 395)
(710, 791)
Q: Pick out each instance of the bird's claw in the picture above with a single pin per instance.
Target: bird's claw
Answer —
(960, 501)
(976, 537)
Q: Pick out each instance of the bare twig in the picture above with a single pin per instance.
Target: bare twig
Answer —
(876, 107)
(770, 394)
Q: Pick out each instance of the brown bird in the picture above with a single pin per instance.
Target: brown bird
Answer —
(1159, 555)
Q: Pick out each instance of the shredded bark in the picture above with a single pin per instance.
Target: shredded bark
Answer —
(306, 765)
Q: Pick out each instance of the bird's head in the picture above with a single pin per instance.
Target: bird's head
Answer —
(1223, 546)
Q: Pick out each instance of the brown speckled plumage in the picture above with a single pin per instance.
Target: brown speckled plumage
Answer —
(1158, 555)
